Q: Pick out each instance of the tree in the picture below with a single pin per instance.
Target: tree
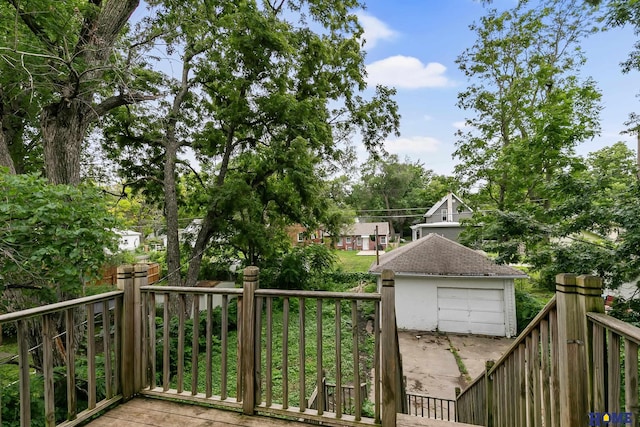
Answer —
(388, 187)
(530, 112)
(53, 239)
(59, 67)
(270, 104)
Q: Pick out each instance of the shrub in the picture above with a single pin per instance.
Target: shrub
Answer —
(527, 307)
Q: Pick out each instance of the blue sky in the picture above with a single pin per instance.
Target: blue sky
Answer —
(412, 45)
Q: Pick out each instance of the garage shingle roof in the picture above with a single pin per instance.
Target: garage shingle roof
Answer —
(434, 255)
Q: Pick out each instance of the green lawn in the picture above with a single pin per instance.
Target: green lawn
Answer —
(351, 262)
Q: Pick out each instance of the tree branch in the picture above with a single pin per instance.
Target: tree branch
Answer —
(120, 100)
(182, 162)
(35, 28)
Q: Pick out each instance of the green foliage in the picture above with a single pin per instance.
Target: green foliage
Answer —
(303, 267)
(527, 307)
(627, 310)
(388, 183)
(52, 237)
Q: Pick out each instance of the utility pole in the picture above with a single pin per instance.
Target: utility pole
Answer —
(377, 255)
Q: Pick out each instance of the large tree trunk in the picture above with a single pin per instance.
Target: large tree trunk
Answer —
(63, 129)
(171, 212)
(5, 156)
(64, 123)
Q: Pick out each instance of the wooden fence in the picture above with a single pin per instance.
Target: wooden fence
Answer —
(564, 368)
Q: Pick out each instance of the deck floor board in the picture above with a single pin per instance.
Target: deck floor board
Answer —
(141, 411)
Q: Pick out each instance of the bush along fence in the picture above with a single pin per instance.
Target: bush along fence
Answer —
(572, 366)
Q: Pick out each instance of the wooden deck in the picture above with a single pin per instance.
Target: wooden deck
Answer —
(143, 411)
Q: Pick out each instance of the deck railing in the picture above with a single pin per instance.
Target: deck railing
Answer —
(75, 347)
(522, 386)
(564, 369)
(615, 369)
(261, 350)
(431, 407)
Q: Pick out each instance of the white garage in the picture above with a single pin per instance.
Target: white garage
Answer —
(442, 285)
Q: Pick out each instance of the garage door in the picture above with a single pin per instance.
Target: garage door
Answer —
(473, 311)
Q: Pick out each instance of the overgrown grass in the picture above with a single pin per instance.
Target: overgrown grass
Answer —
(329, 356)
(350, 261)
(9, 372)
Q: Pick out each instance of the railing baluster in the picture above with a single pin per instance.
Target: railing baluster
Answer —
(47, 369)
(209, 352)
(301, 348)
(152, 339)
(285, 353)
(144, 357)
(320, 397)
(356, 361)
(181, 324)
(106, 342)
(117, 347)
(195, 344)
(555, 361)
(91, 355)
(224, 343)
(337, 395)
(239, 352)
(598, 368)
(23, 366)
(258, 353)
(613, 363)
(165, 343)
(269, 361)
(72, 406)
(546, 386)
(631, 380)
(376, 362)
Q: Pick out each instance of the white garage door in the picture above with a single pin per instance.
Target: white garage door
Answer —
(474, 311)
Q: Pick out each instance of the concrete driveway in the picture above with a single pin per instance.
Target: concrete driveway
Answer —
(430, 366)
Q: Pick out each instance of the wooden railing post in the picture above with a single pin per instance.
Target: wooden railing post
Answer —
(248, 348)
(127, 347)
(590, 296)
(575, 296)
(389, 366)
(140, 278)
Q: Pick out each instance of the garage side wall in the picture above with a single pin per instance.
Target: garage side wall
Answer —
(417, 300)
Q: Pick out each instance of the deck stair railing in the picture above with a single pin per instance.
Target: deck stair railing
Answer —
(563, 370)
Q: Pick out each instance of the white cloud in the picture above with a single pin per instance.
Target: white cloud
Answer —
(427, 117)
(374, 30)
(460, 124)
(412, 146)
(407, 72)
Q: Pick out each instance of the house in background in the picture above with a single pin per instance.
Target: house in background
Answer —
(445, 286)
(129, 240)
(443, 218)
(301, 235)
(361, 236)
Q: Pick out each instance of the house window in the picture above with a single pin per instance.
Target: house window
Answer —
(300, 237)
(348, 240)
(340, 241)
(383, 240)
(445, 216)
(359, 241)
